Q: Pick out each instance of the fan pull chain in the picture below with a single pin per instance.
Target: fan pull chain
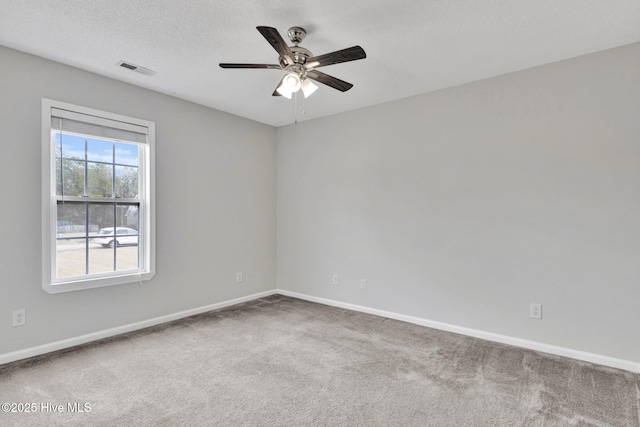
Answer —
(295, 108)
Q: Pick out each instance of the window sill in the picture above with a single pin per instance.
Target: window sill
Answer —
(98, 282)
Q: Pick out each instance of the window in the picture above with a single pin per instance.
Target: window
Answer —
(97, 198)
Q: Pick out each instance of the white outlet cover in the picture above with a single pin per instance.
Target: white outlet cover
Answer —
(535, 311)
(19, 317)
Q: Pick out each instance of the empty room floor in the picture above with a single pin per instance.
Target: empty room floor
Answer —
(281, 361)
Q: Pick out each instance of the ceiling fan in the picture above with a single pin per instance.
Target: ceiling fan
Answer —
(300, 64)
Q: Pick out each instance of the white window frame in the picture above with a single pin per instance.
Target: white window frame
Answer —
(146, 178)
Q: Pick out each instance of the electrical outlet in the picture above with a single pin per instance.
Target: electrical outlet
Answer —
(239, 277)
(336, 279)
(363, 283)
(19, 317)
(535, 311)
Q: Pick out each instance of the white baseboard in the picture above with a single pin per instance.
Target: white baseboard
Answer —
(504, 339)
(70, 342)
(518, 342)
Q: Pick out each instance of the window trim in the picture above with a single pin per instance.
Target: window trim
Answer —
(49, 201)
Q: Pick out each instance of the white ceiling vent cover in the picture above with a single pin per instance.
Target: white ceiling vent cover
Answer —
(136, 68)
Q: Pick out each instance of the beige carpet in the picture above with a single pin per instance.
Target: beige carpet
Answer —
(280, 361)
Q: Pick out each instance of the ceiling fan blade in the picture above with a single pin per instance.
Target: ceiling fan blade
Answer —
(269, 66)
(345, 55)
(328, 80)
(275, 39)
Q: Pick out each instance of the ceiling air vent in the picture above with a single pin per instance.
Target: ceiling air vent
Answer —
(136, 68)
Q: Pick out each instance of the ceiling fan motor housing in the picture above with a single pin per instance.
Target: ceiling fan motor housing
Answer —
(300, 55)
(297, 34)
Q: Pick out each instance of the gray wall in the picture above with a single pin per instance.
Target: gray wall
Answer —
(215, 193)
(461, 206)
(465, 205)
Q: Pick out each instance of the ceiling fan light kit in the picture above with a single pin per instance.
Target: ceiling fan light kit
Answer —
(308, 88)
(290, 83)
(300, 64)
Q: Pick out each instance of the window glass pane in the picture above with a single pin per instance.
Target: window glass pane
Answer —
(126, 182)
(71, 218)
(58, 177)
(101, 247)
(128, 216)
(56, 137)
(100, 259)
(99, 180)
(70, 239)
(126, 154)
(99, 150)
(69, 164)
(70, 146)
(70, 173)
(71, 259)
(127, 255)
(101, 221)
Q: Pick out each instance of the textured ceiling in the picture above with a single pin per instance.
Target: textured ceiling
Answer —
(412, 46)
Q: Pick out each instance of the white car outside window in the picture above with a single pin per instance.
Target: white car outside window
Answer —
(124, 236)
